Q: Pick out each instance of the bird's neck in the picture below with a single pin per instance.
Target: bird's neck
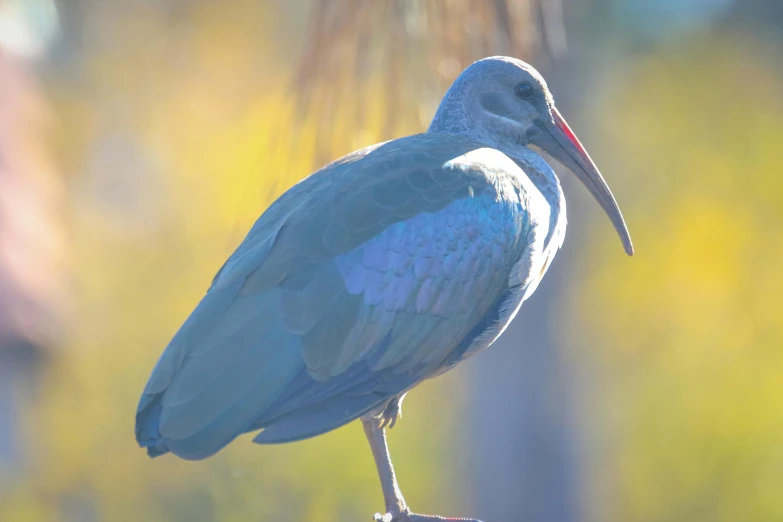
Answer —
(546, 181)
(452, 117)
(538, 170)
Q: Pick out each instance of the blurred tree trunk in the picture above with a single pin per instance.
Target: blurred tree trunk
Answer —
(522, 462)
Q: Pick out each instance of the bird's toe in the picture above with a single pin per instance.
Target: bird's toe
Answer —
(393, 411)
(407, 516)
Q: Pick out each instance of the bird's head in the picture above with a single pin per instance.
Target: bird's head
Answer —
(505, 102)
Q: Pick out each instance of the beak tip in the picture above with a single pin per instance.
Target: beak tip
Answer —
(569, 151)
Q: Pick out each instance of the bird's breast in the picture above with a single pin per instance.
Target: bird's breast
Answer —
(542, 231)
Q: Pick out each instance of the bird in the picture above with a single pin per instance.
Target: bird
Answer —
(384, 268)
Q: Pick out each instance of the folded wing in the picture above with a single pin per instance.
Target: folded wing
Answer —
(357, 283)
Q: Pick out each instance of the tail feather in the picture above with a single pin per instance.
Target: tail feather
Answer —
(148, 426)
(193, 431)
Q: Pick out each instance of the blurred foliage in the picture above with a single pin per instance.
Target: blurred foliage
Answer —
(684, 355)
(417, 48)
(173, 143)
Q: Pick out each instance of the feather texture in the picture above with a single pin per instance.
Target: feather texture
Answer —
(380, 270)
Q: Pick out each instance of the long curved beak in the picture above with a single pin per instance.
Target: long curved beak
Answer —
(560, 142)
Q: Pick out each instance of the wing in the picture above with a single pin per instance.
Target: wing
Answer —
(358, 282)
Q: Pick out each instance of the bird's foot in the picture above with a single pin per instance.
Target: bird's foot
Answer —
(393, 411)
(407, 516)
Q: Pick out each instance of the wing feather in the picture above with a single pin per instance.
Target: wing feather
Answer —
(357, 283)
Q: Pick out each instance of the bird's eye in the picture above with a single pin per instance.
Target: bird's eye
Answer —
(524, 91)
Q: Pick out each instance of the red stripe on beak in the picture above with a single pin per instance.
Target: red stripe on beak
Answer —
(565, 129)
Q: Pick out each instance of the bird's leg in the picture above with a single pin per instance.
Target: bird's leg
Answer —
(396, 508)
(392, 496)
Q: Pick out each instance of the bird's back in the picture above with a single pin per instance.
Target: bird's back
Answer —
(384, 268)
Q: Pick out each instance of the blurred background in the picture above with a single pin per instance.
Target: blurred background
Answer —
(140, 139)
